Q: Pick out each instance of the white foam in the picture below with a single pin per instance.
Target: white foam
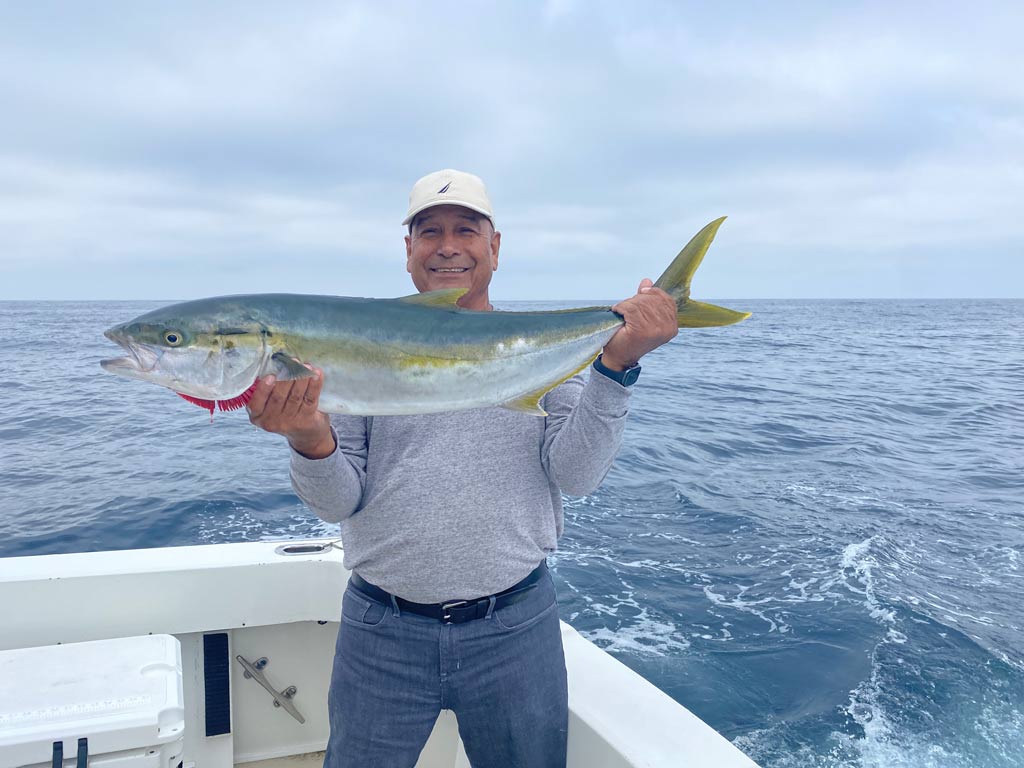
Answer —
(644, 635)
(242, 524)
(858, 558)
(737, 603)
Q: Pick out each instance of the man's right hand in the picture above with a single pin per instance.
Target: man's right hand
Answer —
(292, 409)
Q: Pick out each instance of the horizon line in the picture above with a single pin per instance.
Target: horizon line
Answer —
(534, 301)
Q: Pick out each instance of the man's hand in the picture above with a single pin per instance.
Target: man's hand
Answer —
(650, 322)
(291, 408)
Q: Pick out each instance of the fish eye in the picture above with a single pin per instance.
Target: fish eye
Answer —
(173, 338)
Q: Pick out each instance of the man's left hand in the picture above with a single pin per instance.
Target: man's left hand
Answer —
(650, 322)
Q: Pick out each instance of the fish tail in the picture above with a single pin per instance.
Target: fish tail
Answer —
(676, 283)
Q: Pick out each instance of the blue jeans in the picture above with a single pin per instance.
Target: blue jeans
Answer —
(503, 676)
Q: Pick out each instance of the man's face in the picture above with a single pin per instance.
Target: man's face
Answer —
(453, 247)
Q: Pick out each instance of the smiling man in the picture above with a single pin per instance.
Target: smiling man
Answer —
(452, 242)
(447, 520)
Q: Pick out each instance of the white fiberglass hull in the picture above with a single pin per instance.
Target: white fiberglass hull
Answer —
(284, 607)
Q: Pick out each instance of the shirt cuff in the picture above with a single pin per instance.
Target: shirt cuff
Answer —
(605, 393)
(324, 467)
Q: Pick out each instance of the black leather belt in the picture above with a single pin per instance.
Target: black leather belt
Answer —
(454, 611)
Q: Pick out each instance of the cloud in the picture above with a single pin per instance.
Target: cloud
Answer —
(255, 144)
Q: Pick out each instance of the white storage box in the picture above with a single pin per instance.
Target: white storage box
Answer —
(123, 695)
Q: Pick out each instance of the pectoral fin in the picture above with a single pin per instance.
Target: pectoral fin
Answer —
(285, 367)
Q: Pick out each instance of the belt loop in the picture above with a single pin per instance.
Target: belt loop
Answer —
(490, 606)
(394, 607)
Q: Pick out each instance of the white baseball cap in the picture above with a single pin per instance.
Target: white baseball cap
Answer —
(449, 187)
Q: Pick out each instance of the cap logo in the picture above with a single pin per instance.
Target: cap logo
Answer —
(444, 189)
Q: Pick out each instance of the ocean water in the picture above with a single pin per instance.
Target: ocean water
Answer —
(813, 536)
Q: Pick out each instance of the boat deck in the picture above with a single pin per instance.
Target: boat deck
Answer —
(307, 760)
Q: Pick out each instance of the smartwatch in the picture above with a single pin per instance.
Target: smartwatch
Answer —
(626, 378)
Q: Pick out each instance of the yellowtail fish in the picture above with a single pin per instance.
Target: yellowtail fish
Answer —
(415, 354)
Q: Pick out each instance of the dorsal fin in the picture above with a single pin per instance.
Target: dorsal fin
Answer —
(446, 297)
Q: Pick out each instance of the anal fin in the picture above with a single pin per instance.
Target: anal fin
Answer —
(530, 402)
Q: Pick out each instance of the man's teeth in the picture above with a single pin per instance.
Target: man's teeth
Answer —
(450, 269)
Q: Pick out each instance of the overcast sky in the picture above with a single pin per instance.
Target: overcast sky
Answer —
(185, 149)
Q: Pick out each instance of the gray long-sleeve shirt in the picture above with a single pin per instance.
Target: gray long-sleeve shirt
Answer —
(457, 505)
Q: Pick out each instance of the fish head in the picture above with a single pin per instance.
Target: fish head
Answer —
(193, 349)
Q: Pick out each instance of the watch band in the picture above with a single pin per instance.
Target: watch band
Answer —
(626, 378)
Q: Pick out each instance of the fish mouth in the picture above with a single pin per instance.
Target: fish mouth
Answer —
(120, 365)
(141, 359)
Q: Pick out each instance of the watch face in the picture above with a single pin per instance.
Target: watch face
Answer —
(630, 375)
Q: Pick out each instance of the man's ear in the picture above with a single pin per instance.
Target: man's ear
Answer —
(408, 254)
(495, 247)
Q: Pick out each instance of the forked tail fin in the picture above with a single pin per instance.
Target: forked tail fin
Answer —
(676, 283)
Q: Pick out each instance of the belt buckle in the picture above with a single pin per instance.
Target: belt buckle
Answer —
(446, 609)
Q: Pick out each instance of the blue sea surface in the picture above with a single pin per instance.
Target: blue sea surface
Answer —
(812, 537)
